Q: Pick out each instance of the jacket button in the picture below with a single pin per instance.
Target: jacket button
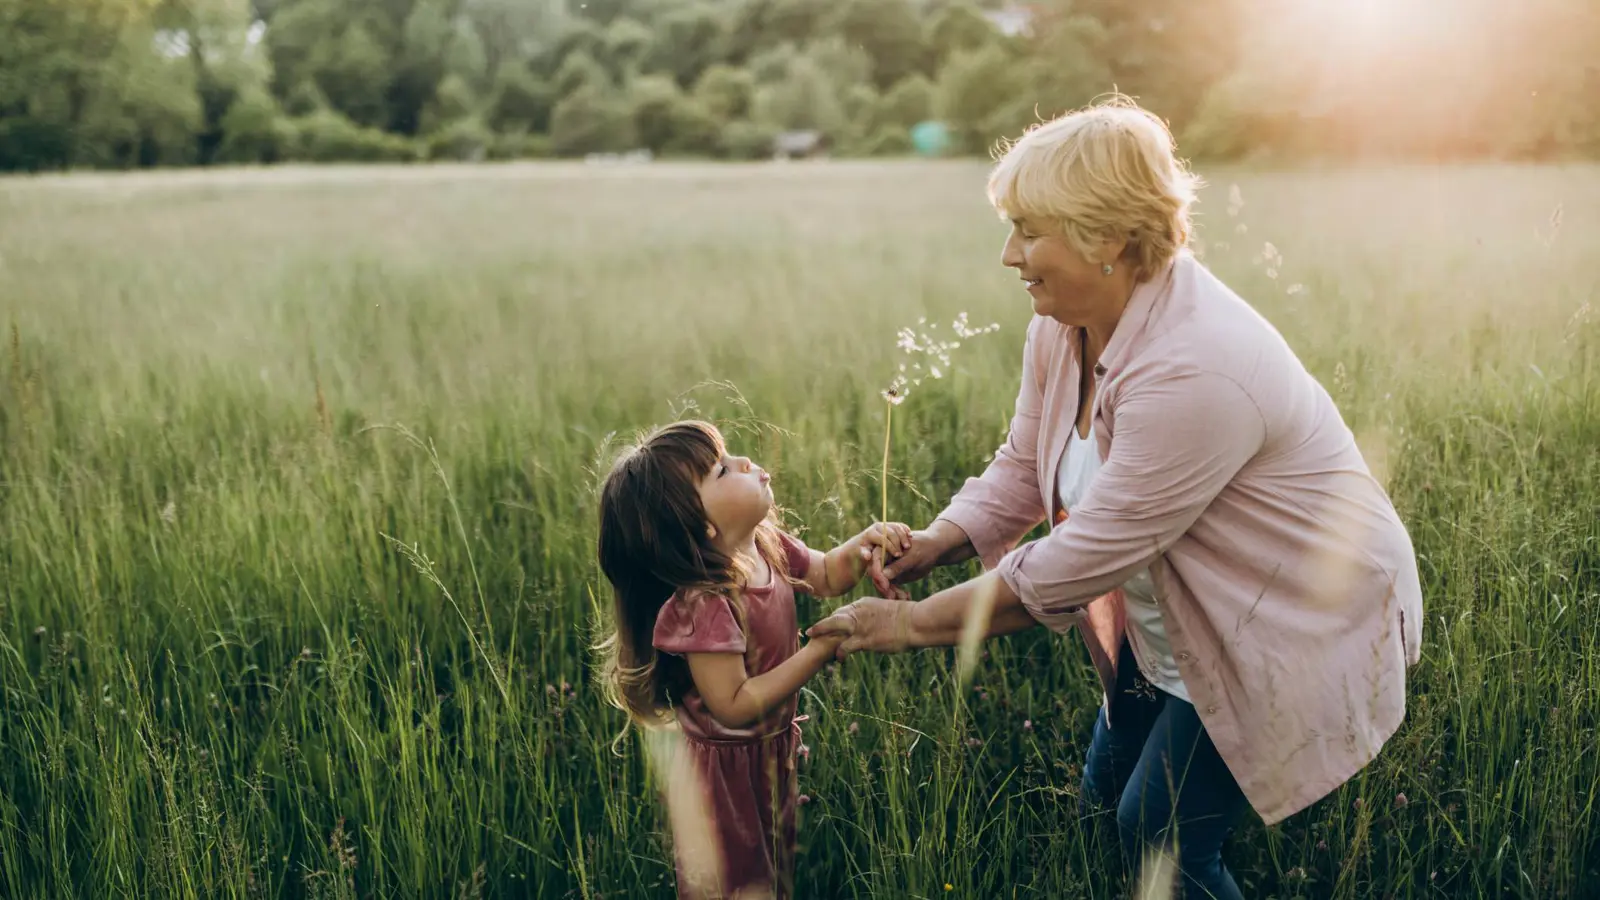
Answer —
(1099, 370)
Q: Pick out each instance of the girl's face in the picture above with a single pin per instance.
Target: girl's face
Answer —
(736, 496)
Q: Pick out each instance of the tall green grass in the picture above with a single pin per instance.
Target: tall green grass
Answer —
(296, 521)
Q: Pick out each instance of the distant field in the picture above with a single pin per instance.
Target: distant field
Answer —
(222, 393)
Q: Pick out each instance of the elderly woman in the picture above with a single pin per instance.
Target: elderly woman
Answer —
(1247, 591)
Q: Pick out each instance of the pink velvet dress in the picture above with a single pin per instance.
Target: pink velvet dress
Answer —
(748, 774)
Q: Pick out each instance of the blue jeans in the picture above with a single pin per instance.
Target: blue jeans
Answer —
(1158, 769)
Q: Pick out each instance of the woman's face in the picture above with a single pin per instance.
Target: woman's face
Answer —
(1063, 284)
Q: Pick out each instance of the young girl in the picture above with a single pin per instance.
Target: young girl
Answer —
(706, 636)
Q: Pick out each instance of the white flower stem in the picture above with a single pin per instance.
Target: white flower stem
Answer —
(883, 476)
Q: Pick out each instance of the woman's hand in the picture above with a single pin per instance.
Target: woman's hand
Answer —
(871, 623)
(942, 543)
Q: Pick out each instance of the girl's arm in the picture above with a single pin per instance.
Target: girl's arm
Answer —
(840, 569)
(736, 700)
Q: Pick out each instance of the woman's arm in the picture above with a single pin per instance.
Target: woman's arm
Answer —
(1181, 438)
(891, 626)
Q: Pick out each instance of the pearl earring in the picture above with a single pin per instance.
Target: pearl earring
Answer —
(1105, 269)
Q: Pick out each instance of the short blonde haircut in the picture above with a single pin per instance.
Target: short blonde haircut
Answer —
(1106, 171)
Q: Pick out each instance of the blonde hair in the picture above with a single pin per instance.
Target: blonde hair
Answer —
(1106, 171)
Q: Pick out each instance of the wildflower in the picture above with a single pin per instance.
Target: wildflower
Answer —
(1027, 724)
(305, 652)
(1400, 800)
(1360, 803)
(40, 632)
(1297, 873)
(1322, 846)
(948, 887)
(926, 348)
(974, 742)
(803, 799)
(804, 752)
(983, 696)
(550, 690)
(854, 727)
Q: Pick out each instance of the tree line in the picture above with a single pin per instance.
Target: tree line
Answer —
(134, 83)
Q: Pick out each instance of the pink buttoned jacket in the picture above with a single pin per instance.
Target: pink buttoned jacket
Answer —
(1287, 583)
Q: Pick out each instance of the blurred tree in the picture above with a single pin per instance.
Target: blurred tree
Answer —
(889, 33)
(628, 43)
(804, 99)
(957, 28)
(689, 43)
(725, 92)
(146, 82)
(579, 71)
(910, 101)
(979, 92)
(594, 118)
(520, 102)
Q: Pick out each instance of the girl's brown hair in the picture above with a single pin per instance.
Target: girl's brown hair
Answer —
(655, 541)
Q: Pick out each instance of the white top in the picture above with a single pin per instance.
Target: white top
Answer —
(1079, 463)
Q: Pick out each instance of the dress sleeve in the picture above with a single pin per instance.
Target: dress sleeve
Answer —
(699, 622)
(796, 553)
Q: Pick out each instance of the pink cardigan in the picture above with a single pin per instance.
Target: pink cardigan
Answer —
(1287, 582)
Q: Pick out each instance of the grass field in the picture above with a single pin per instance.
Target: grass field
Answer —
(221, 397)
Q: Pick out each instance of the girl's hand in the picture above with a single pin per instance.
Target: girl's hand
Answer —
(893, 538)
(879, 542)
(880, 581)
